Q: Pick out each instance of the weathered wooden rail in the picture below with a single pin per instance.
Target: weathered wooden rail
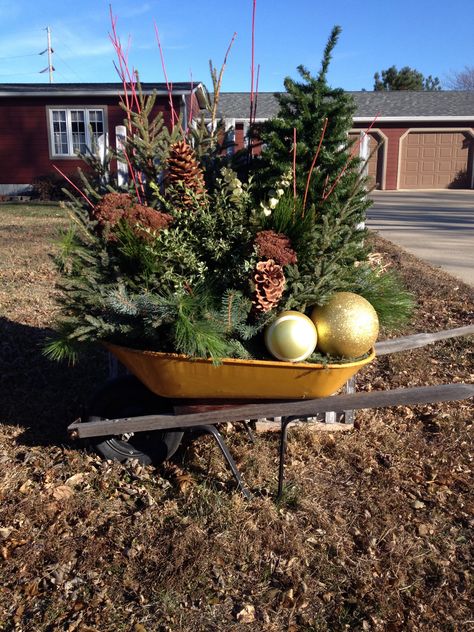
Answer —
(395, 345)
(295, 409)
(406, 343)
(288, 411)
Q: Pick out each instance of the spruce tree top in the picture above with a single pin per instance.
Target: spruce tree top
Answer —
(305, 107)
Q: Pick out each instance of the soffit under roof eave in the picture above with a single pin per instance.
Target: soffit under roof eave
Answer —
(408, 119)
(199, 89)
(379, 119)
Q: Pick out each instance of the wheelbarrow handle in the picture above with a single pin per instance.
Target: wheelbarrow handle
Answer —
(301, 408)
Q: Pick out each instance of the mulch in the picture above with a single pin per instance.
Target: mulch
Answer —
(374, 531)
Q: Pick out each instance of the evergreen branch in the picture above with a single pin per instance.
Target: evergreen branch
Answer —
(392, 302)
(59, 349)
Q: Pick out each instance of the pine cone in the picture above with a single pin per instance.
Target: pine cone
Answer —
(184, 171)
(269, 285)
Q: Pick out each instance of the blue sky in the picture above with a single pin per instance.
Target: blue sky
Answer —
(433, 36)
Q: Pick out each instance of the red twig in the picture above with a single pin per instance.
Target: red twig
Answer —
(252, 85)
(314, 163)
(114, 38)
(354, 149)
(73, 185)
(132, 173)
(130, 77)
(326, 180)
(127, 77)
(169, 86)
(252, 63)
(294, 163)
(191, 101)
(133, 79)
(254, 116)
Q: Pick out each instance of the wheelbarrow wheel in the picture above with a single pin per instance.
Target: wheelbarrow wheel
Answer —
(126, 396)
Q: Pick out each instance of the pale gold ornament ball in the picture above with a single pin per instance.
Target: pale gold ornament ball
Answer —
(291, 337)
(347, 325)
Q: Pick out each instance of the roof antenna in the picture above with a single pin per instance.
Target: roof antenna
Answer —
(50, 68)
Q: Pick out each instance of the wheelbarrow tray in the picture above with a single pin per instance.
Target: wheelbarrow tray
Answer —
(178, 376)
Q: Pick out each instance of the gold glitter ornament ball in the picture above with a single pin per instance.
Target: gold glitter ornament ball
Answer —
(347, 325)
(291, 337)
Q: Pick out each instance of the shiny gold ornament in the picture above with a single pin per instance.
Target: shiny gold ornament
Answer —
(291, 337)
(347, 325)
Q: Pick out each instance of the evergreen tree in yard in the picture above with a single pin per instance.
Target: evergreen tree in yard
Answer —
(330, 191)
(405, 79)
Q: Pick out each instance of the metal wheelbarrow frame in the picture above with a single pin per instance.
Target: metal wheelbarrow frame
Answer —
(204, 414)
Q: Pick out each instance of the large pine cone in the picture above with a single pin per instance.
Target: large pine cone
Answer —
(269, 285)
(184, 171)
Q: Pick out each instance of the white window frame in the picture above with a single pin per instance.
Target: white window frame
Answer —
(68, 110)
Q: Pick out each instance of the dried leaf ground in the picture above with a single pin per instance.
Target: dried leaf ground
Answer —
(374, 533)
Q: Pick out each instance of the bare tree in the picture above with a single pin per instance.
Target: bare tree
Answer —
(461, 79)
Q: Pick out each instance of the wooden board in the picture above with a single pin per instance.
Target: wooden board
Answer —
(304, 408)
(405, 343)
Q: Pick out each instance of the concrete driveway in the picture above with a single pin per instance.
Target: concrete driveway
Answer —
(437, 226)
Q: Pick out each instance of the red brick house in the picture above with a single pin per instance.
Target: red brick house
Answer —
(425, 139)
(45, 125)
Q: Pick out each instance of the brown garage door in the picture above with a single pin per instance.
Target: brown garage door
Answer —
(434, 160)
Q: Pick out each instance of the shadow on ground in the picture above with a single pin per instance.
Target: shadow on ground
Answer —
(39, 395)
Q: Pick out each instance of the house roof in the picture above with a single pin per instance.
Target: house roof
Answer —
(97, 89)
(390, 106)
(399, 105)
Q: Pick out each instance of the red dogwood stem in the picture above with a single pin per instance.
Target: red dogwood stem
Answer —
(252, 64)
(356, 146)
(191, 100)
(256, 95)
(123, 70)
(169, 86)
(294, 163)
(314, 163)
(73, 185)
(132, 173)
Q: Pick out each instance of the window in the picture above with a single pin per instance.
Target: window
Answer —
(74, 130)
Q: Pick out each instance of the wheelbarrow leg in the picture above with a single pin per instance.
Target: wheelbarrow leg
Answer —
(285, 422)
(250, 434)
(228, 457)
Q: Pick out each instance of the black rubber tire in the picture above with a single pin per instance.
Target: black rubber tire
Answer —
(126, 396)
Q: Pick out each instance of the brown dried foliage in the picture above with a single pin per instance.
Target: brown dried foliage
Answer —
(276, 246)
(374, 532)
(116, 207)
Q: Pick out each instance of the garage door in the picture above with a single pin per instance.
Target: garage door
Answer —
(434, 160)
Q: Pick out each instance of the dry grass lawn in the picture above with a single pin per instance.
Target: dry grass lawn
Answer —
(374, 532)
